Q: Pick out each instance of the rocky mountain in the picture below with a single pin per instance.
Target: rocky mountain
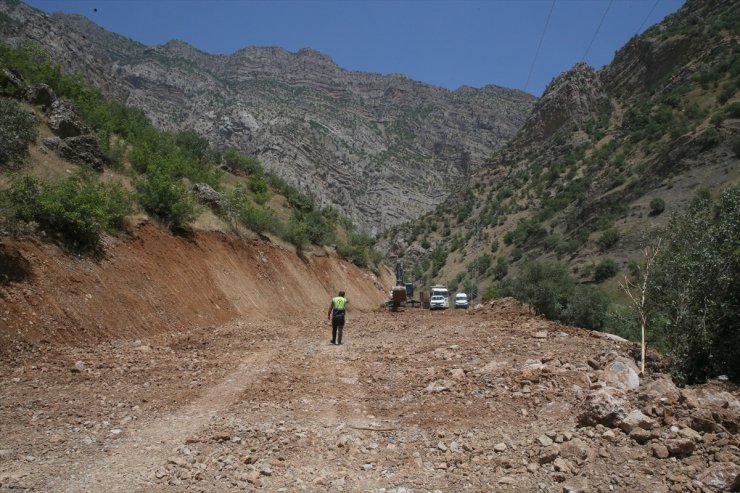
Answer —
(383, 149)
(600, 158)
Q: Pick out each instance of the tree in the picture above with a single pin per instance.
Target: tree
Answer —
(637, 293)
(546, 285)
(695, 288)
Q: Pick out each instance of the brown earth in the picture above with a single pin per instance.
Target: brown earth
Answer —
(153, 282)
(204, 364)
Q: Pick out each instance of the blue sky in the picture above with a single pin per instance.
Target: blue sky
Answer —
(446, 43)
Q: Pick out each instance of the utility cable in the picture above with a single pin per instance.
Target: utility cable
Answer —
(598, 28)
(539, 45)
(639, 29)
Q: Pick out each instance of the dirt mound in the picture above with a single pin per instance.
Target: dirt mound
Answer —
(153, 282)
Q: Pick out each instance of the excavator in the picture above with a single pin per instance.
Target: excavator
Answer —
(402, 293)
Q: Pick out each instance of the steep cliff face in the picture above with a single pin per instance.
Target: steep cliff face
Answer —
(381, 148)
(573, 98)
(601, 155)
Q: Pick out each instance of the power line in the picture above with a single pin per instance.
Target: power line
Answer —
(598, 28)
(539, 45)
(639, 29)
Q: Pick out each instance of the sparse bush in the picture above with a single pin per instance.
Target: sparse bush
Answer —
(296, 232)
(492, 292)
(586, 308)
(167, 199)
(606, 269)
(501, 268)
(78, 210)
(657, 206)
(17, 132)
(241, 162)
(608, 239)
(545, 285)
(319, 229)
(358, 250)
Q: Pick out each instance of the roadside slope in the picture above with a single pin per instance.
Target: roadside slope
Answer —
(153, 282)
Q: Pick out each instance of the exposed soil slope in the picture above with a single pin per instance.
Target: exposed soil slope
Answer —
(491, 400)
(153, 282)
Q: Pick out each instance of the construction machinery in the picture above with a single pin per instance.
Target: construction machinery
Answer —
(402, 293)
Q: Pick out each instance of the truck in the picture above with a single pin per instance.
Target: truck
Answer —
(440, 298)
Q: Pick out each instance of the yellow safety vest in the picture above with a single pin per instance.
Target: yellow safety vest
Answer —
(338, 302)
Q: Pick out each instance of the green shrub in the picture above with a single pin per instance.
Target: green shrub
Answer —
(586, 308)
(355, 253)
(296, 232)
(566, 247)
(657, 206)
(608, 239)
(17, 131)
(480, 265)
(501, 268)
(695, 288)
(78, 210)
(606, 269)
(167, 199)
(492, 292)
(241, 162)
(193, 145)
(238, 207)
(296, 199)
(543, 284)
(319, 229)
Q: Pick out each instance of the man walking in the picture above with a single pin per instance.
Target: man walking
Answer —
(336, 315)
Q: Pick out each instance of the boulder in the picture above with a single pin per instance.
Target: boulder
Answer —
(723, 476)
(680, 447)
(13, 77)
(52, 142)
(640, 435)
(83, 149)
(575, 449)
(577, 484)
(41, 95)
(661, 389)
(601, 407)
(549, 454)
(660, 451)
(207, 195)
(636, 419)
(621, 374)
(64, 120)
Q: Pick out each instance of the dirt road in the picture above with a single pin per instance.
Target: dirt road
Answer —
(413, 401)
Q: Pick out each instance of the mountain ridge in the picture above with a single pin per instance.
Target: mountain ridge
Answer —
(395, 145)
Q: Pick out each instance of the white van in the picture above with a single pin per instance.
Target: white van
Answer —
(461, 300)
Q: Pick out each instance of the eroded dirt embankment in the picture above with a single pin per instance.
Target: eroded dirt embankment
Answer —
(153, 282)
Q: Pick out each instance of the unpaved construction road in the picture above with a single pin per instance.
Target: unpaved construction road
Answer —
(479, 400)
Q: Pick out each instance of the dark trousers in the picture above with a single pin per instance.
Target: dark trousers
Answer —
(337, 326)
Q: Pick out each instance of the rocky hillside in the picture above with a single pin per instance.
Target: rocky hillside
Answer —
(601, 157)
(381, 148)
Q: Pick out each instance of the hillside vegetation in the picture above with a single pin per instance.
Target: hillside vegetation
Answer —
(561, 215)
(383, 149)
(174, 177)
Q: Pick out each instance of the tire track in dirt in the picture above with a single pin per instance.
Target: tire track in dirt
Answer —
(133, 461)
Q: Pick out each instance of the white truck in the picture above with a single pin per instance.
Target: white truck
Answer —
(440, 298)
